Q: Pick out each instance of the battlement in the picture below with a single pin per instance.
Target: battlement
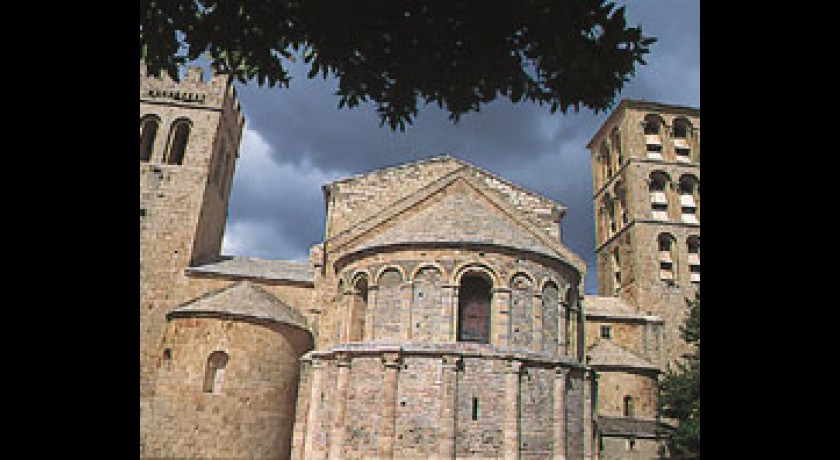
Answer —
(193, 89)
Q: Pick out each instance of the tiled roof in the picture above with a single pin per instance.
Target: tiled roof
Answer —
(627, 426)
(259, 269)
(242, 299)
(605, 353)
(613, 308)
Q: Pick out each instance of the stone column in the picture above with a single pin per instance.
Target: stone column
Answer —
(587, 413)
(370, 312)
(342, 360)
(406, 297)
(560, 377)
(500, 330)
(313, 446)
(387, 421)
(537, 321)
(511, 422)
(449, 320)
(448, 405)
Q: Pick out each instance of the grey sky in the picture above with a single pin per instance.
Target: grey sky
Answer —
(296, 139)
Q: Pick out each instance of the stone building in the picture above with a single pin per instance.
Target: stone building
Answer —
(441, 317)
(646, 194)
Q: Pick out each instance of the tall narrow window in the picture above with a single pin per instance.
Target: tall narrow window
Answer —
(666, 259)
(615, 141)
(694, 259)
(474, 297)
(621, 202)
(148, 131)
(682, 149)
(688, 203)
(214, 371)
(178, 137)
(653, 137)
(658, 198)
(550, 317)
(607, 162)
(616, 262)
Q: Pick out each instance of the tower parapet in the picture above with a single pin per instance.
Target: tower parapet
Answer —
(193, 90)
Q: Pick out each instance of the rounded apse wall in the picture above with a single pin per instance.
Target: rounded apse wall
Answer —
(226, 387)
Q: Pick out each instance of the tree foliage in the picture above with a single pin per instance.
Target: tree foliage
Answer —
(679, 389)
(458, 54)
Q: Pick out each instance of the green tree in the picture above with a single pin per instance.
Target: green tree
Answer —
(458, 54)
(679, 389)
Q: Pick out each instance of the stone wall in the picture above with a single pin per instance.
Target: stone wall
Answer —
(248, 412)
(441, 401)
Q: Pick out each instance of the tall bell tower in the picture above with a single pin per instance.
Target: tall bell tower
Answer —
(189, 142)
(646, 178)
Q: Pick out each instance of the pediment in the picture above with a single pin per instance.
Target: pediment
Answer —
(459, 210)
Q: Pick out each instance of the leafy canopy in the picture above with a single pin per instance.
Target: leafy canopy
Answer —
(458, 54)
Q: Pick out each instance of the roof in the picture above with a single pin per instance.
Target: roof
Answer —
(628, 426)
(257, 269)
(605, 353)
(242, 299)
(614, 308)
(467, 206)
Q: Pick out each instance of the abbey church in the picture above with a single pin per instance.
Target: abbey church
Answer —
(441, 316)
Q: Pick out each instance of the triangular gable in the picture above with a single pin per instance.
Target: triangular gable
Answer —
(242, 299)
(456, 208)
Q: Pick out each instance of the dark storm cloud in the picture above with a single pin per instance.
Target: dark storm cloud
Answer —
(297, 139)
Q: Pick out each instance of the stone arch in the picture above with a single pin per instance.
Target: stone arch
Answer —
(382, 270)
(475, 267)
(359, 289)
(179, 136)
(214, 371)
(149, 126)
(387, 318)
(474, 309)
(424, 265)
(426, 299)
(522, 311)
(550, 313)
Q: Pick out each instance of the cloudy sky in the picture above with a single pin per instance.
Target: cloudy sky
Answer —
(296, 139)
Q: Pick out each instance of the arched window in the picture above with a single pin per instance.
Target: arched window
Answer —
(682, 147)
(474, 297)
(653, 136)
(694, 259)
(616, 266)
(521, 310)
(666, 258)
(550, 317)
(214, 371)
(606, 162)
(609, 214)
(179, 134)
(688, 200)
(615, 141)
(358, 309)
(387, 322)
(629, 410)
(621, 203)
(148, 131)
(658, 198)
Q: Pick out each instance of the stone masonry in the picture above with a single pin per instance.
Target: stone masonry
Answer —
(441, 316)
(646, 177)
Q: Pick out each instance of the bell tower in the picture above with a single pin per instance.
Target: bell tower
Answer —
(189, 142)
(646, 177)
